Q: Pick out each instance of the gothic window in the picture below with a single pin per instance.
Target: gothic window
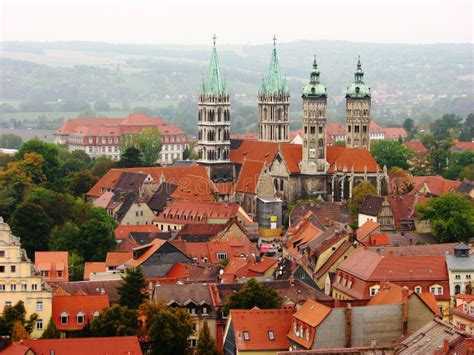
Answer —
(305, 129)
(281, 184)
(275, 182)
(364, 128)
(320, 148)
(320, 129)
(349, 128)
(313, 129)
(357, 128)
(199, 116)
(265, 113)
(279, 114)
(200, 135)
(219, 114)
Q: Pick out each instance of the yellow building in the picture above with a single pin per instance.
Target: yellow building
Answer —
(19, 282)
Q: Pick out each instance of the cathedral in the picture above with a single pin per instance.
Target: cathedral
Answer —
(273, 167)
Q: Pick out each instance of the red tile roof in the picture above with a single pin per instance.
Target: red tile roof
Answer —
(123, 231)
(151, 249)
(416, 146)
(292, 154)
(90, 267)
(224, 188)
(357, 159)
(247, 267)
(377, 239)
(117, 258)
(249, 176)
(192, 181)
(53, 261)
(462, 146)
(257, 323)
(209, 250)
(312, 313)
(367, 228)
(393, 133)
(436, 185)
(403, 208)
(92, 346)
(254, 150)
(196, 212)
(73, 306)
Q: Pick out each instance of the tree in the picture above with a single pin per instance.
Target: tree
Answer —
(359, 193)
(14, 314)
(148, 142)
(391, 154)
(254, 294)
(115, 321)
(170, 331)
(401, 182)
(81, 182)
(439, 153)
(467, 129)
(130, 158)
(131, 291)
(447, 124)
(206, 345)
(467, 172)
(102, 166)
(10, 141)
(49, 152)
(19, 332)
(409, 126)
(451, 216)
(32, 225)
(457, 162)
(76, 267)
(51, 332)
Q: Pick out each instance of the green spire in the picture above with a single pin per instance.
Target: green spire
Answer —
(314, 89)
(215, 85)
(358, 89)
(273, 84)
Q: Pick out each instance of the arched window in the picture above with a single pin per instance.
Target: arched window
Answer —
(457, 289)
(275, 182)
(418, 289)
(281, 184)
(219, 114)
(80, 318)
(64, 318)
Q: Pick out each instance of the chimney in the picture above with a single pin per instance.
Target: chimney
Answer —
(446, 346)
(348, 315)
(405, 309)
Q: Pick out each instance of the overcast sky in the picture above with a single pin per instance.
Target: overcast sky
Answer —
(237, 22)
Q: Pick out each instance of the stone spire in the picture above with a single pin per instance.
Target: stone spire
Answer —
(273, 83)
(273, 103)
(215, 84)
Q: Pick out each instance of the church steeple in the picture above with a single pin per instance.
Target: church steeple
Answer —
(358, 103)
(215, 84)
(273, 103)
(213, 115)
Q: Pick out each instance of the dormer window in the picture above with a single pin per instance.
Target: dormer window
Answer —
(418, 289)
(95, 314)
(246, 335)
(64, 318)
(80, 318)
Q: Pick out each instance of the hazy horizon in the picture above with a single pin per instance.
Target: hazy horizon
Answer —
(183, 22)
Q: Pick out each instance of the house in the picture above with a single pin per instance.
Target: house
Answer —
(365, 230)
(20, 282)
(437, 337)
(53, 265)
(257, 331)
(441, 249)
(328, 213)
(77, 346)
(244, 268)
(433, 185)
(92, 267)
(363, 273)
(200, 232)
(420, 160)
(103, 136)
(404, 212)
(133, 210)
(466, 188)
(179, 213)
(200, 302)
(463, 313)
(157, 259)
(377, 209)
(192, 182)
(460, 269)
(72, 313)
(462, 146)
(94, 288)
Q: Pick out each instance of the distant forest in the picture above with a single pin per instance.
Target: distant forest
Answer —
(99, 79)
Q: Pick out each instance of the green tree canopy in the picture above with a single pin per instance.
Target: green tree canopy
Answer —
(206, 345)
(101, 166)
(131, 291)
(10, 141)
(148, 142)
(51, 332)
(391, 154)
(115, 321)
(447, 124)
(49, 152)
(169, 330)
(81, 182)
(451, 216)
(16, 314)
(359, 193)
(130, 158)
(254, 294)
(457, 162)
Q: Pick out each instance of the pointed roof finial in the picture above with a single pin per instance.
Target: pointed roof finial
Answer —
(214, 39)
(274, 40)
(315, 63)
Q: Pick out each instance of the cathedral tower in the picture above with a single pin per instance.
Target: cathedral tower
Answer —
(358, 111)
(314, 125)
(273, 104)
(213, 116)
